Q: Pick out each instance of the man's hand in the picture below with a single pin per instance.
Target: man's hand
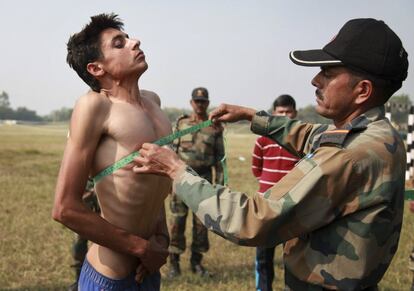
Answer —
(154, 257)
(154, 159)
(231, 113)
(141, 271)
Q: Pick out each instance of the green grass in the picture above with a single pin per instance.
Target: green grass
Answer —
(35, 250)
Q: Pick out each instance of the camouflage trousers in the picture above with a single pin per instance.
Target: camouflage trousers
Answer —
(294, 284)
(179, 211)
(80, 244)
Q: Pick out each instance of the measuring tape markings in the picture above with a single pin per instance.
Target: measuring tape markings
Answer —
(161, 142)
(408, 194)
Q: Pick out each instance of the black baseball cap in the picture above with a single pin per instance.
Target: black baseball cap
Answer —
(200, 93)
(364, 44)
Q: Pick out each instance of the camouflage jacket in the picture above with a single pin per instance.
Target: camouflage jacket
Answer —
(201, 150)
(339, 210)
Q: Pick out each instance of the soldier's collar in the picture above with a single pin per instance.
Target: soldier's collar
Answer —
(361, 122)
(193, 118)
(336, 137)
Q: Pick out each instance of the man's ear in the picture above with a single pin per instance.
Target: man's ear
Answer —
(95, 69)
(363, 90)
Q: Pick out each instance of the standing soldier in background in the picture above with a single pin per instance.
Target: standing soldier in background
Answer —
(203, 151)
(270, 163)
(80, 244)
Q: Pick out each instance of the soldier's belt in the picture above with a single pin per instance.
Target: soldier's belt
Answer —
(161, 142)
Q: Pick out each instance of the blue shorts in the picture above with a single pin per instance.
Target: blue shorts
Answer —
(91, 280)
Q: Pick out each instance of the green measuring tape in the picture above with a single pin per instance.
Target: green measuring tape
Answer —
(161, 142)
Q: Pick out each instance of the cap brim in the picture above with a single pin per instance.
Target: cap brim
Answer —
(313, 58)
(200, 98)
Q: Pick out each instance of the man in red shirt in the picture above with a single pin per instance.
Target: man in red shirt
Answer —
(270, 163)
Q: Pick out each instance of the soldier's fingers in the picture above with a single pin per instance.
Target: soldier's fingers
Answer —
(150, 146)
(141, 169)
(220, 110)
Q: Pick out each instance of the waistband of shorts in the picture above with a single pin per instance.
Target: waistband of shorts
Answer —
(105, 282)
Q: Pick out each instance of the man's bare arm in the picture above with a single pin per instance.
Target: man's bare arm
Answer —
(87, 126)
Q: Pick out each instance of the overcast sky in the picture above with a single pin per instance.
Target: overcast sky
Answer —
(237, 49)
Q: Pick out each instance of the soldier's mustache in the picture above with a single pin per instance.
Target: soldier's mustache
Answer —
(319, 94)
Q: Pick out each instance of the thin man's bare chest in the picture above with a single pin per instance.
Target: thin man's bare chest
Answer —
(131, 127)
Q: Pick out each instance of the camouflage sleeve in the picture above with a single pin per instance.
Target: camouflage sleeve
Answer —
(293, 135)
(219, 154)
(307, 198)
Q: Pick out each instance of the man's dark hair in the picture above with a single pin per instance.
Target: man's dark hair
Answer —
(284, 100)
(85, 46)
(383, 89)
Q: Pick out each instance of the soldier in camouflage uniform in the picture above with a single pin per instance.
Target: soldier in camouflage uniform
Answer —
(203, 151)
(80, 244)
(340, 209)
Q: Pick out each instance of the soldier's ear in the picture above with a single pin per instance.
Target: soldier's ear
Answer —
(363, 91)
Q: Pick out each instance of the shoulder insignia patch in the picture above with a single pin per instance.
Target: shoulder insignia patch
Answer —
(334, 137)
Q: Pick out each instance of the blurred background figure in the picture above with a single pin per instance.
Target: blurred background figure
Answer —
(270, 163)
(203, 151)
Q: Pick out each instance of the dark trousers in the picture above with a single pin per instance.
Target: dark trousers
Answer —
(265, 272)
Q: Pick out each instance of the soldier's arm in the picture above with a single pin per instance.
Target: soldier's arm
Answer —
(87, 125)
(309, 197)
(291, 134)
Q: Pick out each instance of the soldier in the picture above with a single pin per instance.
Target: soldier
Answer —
(202, 150)
(80, 244)
(340, 209)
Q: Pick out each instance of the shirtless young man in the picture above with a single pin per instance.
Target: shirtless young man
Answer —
(116, 118)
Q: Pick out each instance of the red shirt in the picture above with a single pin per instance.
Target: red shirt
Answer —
(270, 162)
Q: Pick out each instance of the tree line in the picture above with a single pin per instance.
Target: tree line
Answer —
(398, 105)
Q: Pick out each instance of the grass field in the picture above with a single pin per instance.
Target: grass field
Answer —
(35, 250)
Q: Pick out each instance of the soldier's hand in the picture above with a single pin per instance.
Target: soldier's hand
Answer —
(154, 159)
(154, 257)
(231, 113)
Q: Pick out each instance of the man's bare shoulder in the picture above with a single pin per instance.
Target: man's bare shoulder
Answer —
(90, 113)
(150, 95)
(92, 101)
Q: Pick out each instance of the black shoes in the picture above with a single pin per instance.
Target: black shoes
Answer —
(196, 266)
(174, 266)
(200, 270)
(174, 270)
